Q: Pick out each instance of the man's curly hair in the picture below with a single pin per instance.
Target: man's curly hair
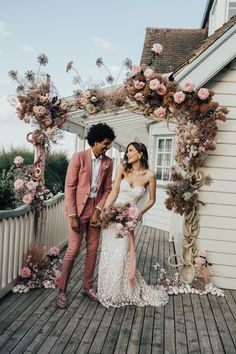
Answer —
(99, 132)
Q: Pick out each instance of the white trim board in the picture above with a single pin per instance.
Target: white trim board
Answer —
(211, 61)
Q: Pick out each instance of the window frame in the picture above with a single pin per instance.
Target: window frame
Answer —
(165, 138)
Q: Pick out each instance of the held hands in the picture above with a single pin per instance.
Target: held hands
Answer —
(95, 218)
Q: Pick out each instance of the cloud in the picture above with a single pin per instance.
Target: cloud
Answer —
(7, 112)
(102, 43)
(27, 48)
(4, 33)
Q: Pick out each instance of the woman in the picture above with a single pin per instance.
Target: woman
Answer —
(119, 283)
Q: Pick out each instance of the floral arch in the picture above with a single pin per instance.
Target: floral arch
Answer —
(148, 93)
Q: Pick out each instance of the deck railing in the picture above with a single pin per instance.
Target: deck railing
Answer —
(17, 233)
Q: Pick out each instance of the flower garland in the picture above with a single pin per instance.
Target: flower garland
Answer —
(195, 114)
(37, 103)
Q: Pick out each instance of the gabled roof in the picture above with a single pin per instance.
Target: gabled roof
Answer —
(177, 45)
(205, 45)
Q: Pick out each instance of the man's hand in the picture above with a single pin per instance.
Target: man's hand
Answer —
(74, 223)
(95, 218)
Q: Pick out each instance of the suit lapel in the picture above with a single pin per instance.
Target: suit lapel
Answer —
(88, 161)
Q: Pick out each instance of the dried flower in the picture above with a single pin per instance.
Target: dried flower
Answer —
(69, 66)
(127, 63)
(13, 74)
(110, 79)
(99, 62)
(30, 76)
(42, 59)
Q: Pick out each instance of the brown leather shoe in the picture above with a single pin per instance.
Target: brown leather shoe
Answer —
(91, 294)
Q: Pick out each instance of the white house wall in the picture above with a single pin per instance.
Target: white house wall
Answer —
(158, 216)
(218, 218)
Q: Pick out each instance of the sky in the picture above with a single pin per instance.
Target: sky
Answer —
(80, 31)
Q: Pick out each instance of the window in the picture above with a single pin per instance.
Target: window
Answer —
(164, 156)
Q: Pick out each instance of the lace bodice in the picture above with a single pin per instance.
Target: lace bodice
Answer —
(128, 194)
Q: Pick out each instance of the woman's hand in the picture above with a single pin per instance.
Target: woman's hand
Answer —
(74, 223)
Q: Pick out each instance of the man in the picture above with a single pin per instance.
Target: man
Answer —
(88, 183)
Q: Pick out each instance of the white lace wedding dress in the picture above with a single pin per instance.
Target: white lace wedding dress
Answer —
(113, 275)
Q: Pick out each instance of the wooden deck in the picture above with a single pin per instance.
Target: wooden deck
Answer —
(31, 323)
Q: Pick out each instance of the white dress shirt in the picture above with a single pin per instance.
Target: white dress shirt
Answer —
(96, 163)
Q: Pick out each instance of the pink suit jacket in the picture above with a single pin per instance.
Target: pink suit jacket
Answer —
(78, 181)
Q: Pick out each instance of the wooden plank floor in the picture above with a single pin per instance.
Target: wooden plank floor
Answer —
(31, 323)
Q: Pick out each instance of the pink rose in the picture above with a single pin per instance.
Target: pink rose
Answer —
(179, 97)
(139, 96)
(25, 272)
(84, 101)
(154, 84)
(148, 73)
(188, 86)
(94, 99)
(160, 112)
(39, 111)
(139, 85)
(27, 199)
(203, 94)
(18, 184)
(157, 48)
(54, 251)
(161, 90)
(136, 69)
(18, 160)
(47, 121)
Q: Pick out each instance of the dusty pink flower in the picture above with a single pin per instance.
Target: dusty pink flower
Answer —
(154, 84)
(139, 85)
(139, 96)
(87, 93)
(39, 111)
(25, 272)
(54, 251)
(31, 185)
(47, 121)
(161, 90)
(203, 94)
(94, 99)
(131, 224)
(148, 73)
(188, 86)
(119, 226)
(133, 212)
(199, 261)
(43, 98)
(157, 48)
(84, 101)
(18, 184)
(160, 112)
(18, 160)
(179, 97)
(27, 199)
(136, 69)
(63, 105)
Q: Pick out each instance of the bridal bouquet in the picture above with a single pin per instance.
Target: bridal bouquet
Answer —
(125, 217)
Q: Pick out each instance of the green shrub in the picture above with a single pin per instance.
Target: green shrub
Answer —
(55, 171)
(7, 200)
